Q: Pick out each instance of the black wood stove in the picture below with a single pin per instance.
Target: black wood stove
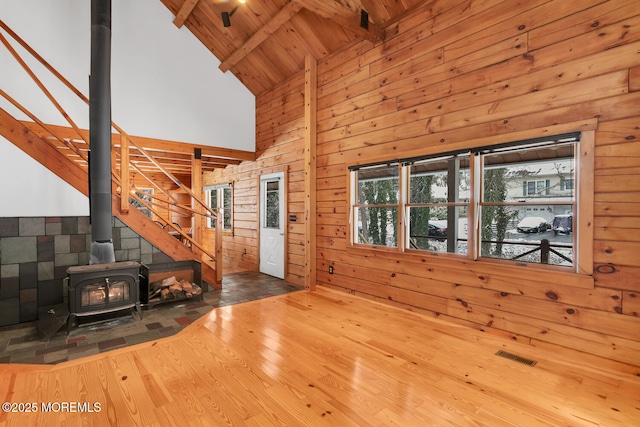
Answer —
(98, 289)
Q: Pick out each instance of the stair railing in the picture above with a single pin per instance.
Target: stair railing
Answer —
(123, 187)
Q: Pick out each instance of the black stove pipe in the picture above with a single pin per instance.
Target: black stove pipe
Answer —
(100, 134)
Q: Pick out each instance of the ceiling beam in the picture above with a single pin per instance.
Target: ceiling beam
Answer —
(284, 15)
(333, 11)
(184, 12)
(343, 16)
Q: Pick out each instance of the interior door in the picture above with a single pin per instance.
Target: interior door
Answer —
(272, 225)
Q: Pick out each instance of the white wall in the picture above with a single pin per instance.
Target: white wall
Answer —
(165, 84)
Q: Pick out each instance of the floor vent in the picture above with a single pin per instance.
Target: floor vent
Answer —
(516, 358)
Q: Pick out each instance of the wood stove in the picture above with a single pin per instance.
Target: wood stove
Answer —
(98, 289)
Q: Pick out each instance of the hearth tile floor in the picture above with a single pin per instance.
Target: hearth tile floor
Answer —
(23, 344)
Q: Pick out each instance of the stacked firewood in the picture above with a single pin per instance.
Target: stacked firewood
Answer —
(171, 288)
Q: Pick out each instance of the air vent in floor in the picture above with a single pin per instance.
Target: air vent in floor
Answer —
(516, 358)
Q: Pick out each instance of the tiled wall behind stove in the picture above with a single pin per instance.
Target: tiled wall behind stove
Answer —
(35, 253)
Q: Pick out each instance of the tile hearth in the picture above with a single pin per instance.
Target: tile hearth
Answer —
(22, 344)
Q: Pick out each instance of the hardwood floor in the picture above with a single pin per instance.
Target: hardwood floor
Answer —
(324, 358)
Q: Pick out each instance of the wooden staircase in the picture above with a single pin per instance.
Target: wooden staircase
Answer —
(68, 159)
(77, 176)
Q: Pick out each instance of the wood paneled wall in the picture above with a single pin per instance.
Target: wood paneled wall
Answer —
(280, 147)
(448, 73)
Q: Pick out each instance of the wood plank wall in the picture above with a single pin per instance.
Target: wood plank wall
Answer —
(454, 71)
(280, 147)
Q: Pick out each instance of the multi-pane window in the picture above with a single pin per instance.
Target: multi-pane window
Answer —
(536, 188)
(221, 197)
(513, 202)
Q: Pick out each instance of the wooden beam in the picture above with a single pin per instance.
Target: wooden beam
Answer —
(196, 188)
(286, 13)
(184, 12)
(342, 16)
(310, 164)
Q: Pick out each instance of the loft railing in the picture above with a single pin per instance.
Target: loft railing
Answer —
(127, 191)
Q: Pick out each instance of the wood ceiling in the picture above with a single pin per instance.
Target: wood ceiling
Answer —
(268, 40)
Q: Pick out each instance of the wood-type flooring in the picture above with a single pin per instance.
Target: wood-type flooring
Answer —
(322, 359)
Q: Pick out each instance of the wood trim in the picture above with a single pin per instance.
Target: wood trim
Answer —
(310, 167)
(586, 196)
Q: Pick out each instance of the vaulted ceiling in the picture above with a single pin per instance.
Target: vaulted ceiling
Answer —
(267, 40)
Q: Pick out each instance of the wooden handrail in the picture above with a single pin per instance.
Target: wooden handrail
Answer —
(28, 113)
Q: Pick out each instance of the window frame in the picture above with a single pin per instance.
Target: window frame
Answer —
(583, 201)
(356, 205)
(448, 204)
(219, 189)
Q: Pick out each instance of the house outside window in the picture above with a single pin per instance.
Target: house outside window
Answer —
(221, 197)
(489, 203)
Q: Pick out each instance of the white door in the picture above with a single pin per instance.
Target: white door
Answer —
(272, 224)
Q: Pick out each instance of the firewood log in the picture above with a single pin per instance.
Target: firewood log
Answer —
(187, 287)
(168, 281)
(176, 289)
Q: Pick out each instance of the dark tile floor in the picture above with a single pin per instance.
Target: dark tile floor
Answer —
(23, 344)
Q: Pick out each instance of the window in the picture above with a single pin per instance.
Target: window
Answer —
(438, 204)
(146, 195)
(513, 226)
(511, 202)
(536, 188)
(566, 183)
(272, 204)
(375, 212)
(221, 197)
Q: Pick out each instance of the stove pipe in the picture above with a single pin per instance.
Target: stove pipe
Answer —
(100, 134)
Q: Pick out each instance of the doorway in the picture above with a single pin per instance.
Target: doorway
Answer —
(272, 225)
